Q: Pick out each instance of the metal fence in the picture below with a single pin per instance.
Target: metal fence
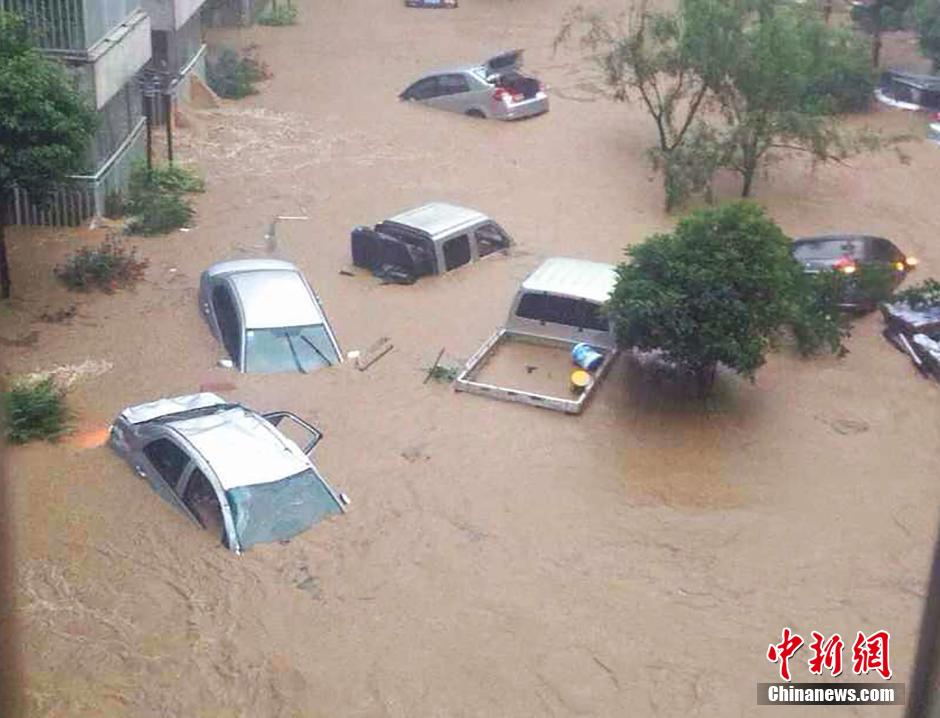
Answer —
(68, 206)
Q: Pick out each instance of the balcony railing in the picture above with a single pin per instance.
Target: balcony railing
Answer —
(74, 25)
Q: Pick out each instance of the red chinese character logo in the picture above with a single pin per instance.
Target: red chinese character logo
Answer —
(828, 654)
(871, 654)
(783, 651)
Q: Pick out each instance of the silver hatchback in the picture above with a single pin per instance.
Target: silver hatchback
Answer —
(493, 89)
(267, 317)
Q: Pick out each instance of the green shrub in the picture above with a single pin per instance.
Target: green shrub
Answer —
(873, 284)
(279, 16)
(114, 205)
(157, 212)
(105, 267)
(234, 75)
(817, 323)
(171, 178)
(156, 202)
(925, 294)
(35, 409)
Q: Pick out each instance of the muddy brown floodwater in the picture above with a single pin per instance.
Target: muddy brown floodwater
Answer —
(497, 560)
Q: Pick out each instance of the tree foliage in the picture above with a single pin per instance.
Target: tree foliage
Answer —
(728, 82)
(927, 13)
(720, 289)
(45, 123)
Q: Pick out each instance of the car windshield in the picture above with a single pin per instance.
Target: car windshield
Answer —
(289, 349)
(828, 249)
(281, 509)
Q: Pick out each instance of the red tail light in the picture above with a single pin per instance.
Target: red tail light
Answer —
(500, 93)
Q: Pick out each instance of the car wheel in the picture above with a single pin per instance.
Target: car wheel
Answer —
(475, 113)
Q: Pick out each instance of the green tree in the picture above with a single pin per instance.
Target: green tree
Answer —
(876, 16)
(727, 82)
(664, 61)
(45, 124)
(790, 75)
(720, 289)
(927, 13)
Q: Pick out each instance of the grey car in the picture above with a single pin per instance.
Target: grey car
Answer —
(228, 468)
(493, 89)
(267, 317)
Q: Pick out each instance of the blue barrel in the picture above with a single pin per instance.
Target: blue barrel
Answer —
(586, 357)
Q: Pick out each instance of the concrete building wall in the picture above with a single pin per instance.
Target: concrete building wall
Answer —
(118, 59)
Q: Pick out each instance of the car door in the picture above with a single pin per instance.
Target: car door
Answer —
(453, 93)
(489, 238)
(423, 90)
(164, 463)
(227, 321)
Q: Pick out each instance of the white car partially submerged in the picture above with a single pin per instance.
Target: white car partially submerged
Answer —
(228, 468)
(529, 360)
(267, 317)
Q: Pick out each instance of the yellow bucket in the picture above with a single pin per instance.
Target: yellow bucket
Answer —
(580, 380)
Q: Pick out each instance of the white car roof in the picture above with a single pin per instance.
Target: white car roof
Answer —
(275, 298)
(439, 218)
(247, 265)
(575, 278)
(162, 407)
(242, 447)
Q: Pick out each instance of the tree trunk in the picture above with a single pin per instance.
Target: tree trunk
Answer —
(705, 379)
(4, 264)
(827, 11)
(876, 36)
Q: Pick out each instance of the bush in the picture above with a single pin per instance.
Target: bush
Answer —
(170, 178)
(156, 212)
(234, 76)
(279, 16)
(817, 323)
(156, 202)
(105, 267)
(114, 205)
(35, 409)
(925, 294)
(719, 289)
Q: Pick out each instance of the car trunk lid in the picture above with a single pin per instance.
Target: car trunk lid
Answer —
(503, 62)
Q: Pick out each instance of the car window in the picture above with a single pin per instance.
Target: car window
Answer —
(456, 252)
(168, 459)
(578, 313)
(828, 249)
(452, 84)
(201, 499)
(227, 316)
(423, 89)
(490, 238)
(883, 251)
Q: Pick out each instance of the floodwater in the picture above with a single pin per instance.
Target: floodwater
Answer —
(497, 560)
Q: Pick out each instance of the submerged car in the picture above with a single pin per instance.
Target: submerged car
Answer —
(267, 317)
(431, 3)
(909, 91)
(228, 468)
(846, 253)
(431, 239)
(493, 89)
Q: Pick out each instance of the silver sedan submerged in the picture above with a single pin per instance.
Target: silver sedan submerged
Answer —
(267, 317)
(228, 468)
(494, 89)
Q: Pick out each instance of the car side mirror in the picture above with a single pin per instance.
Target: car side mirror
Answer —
(226, 363)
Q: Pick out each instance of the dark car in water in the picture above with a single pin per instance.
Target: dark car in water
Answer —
(848, 253)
